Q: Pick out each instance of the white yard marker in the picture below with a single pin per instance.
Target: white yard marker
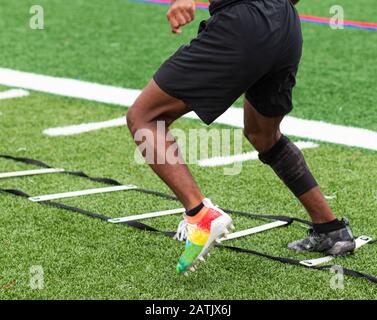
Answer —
(360, 241)
(258, 229)
(29, 172)
(85, 127)
(81, 193)
(13, 93)
(147, 215)
(253, 155)
(309, 129)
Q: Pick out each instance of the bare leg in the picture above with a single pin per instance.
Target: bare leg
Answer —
(317, 206)
(263, 133)
(155, 105)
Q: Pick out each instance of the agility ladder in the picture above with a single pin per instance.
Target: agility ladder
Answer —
(279, 220)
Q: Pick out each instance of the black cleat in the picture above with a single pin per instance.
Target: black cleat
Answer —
(335, 243)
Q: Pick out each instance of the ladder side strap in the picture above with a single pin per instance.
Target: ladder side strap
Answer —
(26, 160)
(349, 272)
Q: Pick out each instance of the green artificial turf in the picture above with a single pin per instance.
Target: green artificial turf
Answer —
(122, 44)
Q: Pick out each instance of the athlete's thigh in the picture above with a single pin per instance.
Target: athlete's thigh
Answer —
(271, 95)
(256, 123)
(220, 64)
(155, 104)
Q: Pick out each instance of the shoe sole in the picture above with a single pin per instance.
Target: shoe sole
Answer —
(342, 248)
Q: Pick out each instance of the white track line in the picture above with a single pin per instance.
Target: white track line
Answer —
(253, 155)
(310, 129)
(147, 215)
(29, 172)
(81, 193)
(360, 241)
(13, 93)
(255, 230)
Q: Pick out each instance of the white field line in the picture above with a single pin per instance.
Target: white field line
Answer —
(85, 127)
(13, 93)
(147, 215)
(360, 241)
(29, 172)
(309, 129)
(79, 193)
(252, 155)
(68, 87)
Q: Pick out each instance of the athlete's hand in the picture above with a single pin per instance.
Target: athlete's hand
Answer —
(180, 13)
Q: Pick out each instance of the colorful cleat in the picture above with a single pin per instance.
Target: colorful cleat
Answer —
(201, 232)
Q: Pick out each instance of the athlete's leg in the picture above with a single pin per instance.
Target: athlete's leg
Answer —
(207, 222)
(330, 235)
(263, 133)
(155, 105)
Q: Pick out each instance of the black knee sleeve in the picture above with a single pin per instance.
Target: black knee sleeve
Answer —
(289, 164)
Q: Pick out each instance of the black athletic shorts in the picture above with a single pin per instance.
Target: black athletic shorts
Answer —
(247, 46)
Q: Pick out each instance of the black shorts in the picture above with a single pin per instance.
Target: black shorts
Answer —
(247, 46)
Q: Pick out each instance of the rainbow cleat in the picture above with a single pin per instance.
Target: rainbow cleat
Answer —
(201, 232)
